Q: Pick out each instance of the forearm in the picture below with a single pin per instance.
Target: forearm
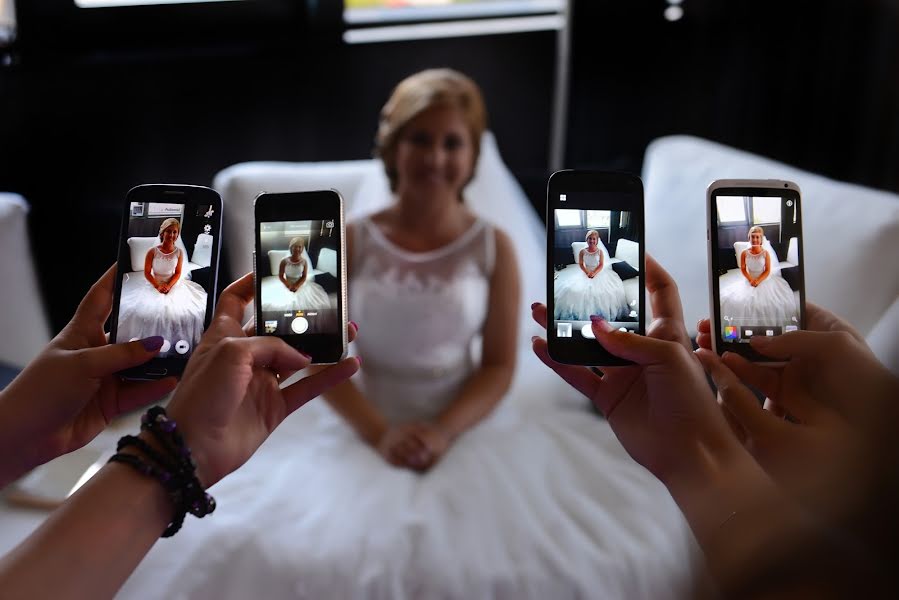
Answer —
(93, 542)
(739, 517)
(479, 396)
(362, 416)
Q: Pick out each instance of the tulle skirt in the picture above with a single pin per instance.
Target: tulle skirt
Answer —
(577, 297)
(145, 312)
(276, 296)
(772, 302)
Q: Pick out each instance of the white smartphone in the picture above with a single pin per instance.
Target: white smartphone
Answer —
(756, 276)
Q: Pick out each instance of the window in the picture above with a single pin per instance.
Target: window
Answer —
(109, 3)
(568, 217)
(765, 210)
(598, 219)
(423, 19)
(731, 209)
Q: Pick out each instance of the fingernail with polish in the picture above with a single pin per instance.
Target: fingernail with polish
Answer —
(534, 305)
(353, 323)
(534, 338)
(307, 356)
(152, 344)
(359, 359)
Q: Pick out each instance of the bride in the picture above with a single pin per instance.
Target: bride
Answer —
(162, 302)
(424, 482)
(296, 291)
(592, 289)
(761, 296)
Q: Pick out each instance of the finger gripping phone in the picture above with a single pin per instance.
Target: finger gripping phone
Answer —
(167, 272)
(756, 275)
(595, 262)
(300, 272)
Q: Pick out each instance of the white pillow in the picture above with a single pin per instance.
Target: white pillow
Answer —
(629, 252)
(276, 256)
(793, 251)
(676, 172)
(327, 261)
(139, 246)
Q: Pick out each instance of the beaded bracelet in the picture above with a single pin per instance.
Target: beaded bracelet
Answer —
(173, 467)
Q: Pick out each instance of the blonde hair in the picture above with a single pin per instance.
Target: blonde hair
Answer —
(591, 232)
(297, 241)
(420, 92)
(168, 223)
(756, 228)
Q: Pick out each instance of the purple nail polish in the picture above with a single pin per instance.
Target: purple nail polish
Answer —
(152, 344)
(359, 358)
(308, 356)
(534, 305)
(353, 323)
(597, 318)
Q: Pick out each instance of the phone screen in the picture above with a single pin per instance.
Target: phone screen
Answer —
(596, 256)
(300, 272)
(299, 295)
(757, 278)
(167, 270)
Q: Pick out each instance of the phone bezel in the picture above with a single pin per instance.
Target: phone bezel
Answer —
(190, 196)
(578, 350)
(746, 187)
(324, 348)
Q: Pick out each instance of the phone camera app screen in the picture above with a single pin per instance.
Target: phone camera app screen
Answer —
(758, 259)
(166, 286)
(596, 271)
(299, 282)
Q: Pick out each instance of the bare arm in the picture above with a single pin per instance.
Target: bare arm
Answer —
(602, 262)
(346, 398)
(486, 387)
(177, 274)
(148, 269)
(743, 266)
(767, 270)
(302, 279)
(118, 534)
(281, 277)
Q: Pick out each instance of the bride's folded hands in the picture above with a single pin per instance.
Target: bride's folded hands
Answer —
(71, 391)
(415, 445)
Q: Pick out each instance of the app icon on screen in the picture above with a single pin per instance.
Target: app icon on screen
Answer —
(731, 333)
(563, 330)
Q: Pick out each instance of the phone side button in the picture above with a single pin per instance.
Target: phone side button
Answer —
(708, 235)
(157, 372)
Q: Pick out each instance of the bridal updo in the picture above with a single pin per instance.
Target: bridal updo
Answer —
(168, 223)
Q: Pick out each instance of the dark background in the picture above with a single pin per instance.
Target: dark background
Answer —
(93, 104)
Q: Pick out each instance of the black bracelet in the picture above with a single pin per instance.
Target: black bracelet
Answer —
(173, 467)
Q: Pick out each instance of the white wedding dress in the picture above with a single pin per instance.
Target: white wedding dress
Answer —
(310, 295)
(144, 311)
(577, 297)
(534, 502)
(771, 302)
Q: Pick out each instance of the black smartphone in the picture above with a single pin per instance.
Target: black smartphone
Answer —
(167, 272)
(756, 276)
(594, 262)
(300, 270)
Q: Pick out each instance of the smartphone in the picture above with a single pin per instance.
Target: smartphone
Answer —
(595, 262)
(299, 266)
(167, 272)
(756, 277)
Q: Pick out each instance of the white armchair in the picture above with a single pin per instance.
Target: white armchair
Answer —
(24, 329)
(851, 234)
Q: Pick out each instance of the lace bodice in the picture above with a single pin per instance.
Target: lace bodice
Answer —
(591, 261)
(755, 263)
(421, 312)
(294, 271)
(164, 264)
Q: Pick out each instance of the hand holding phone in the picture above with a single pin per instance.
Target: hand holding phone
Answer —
(167, 272)
(756, 277)
(300, 270)
(595, 262)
